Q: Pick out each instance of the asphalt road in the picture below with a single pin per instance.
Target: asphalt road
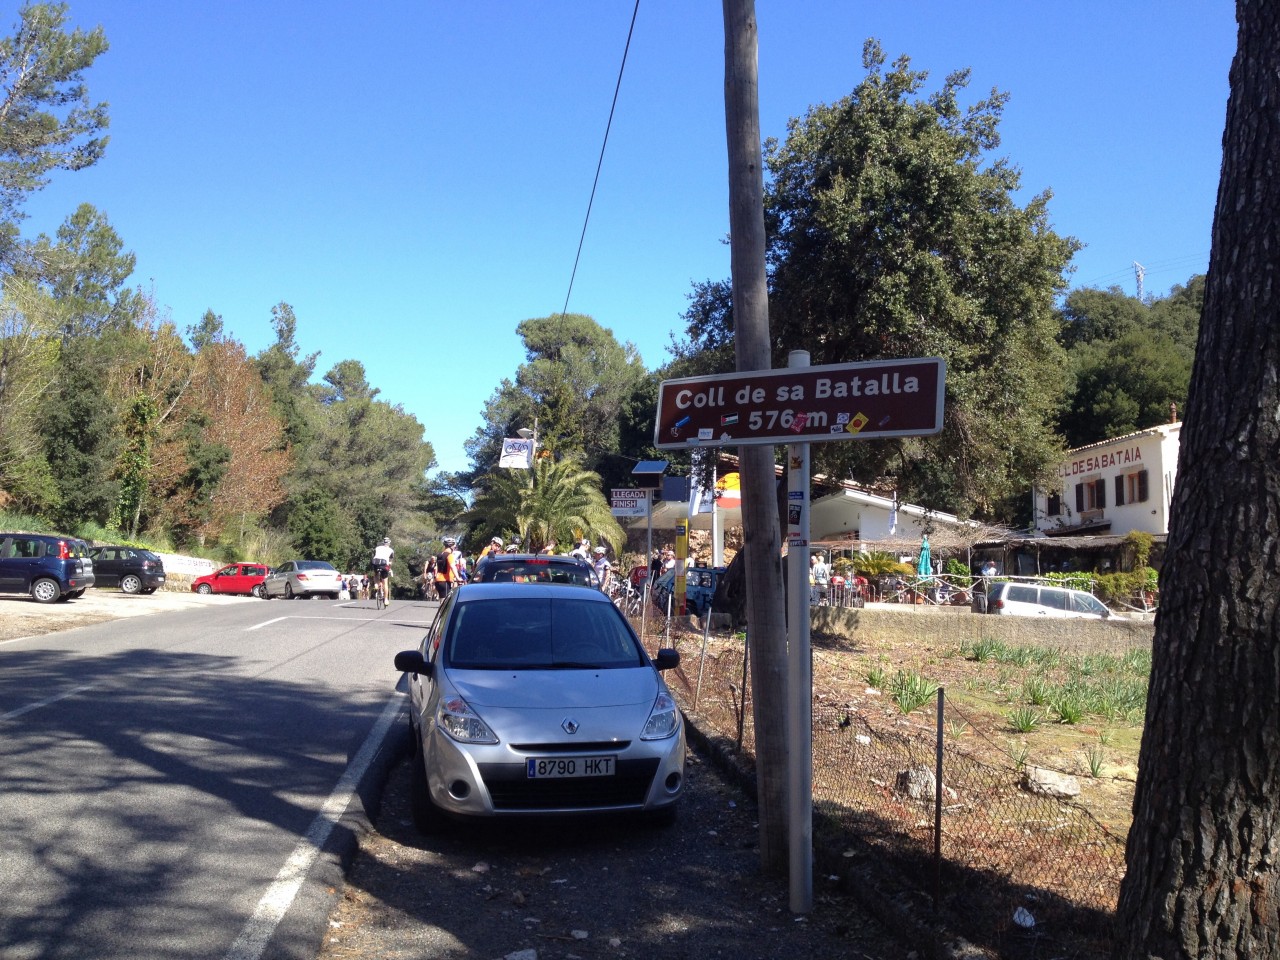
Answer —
(181, 785)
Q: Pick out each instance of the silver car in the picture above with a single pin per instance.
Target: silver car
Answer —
(303, 578)
(530, 699)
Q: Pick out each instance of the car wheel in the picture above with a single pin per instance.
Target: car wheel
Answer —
(130, 583)
(426, 815)
(259, 591)
(288, 590)
(45, 590)
(205, 589)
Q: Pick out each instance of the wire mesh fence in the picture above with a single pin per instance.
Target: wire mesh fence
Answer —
(1003, 846)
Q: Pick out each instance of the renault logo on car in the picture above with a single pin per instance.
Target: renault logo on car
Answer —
(569, 725)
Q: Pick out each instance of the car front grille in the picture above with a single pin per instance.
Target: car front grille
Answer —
(511, 788)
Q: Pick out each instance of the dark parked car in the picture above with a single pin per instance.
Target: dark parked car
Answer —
(534, 568)
(243, 578)
(48, 567)
(132, 569)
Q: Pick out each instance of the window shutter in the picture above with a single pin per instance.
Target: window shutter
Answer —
(1079, 498)
(1120, 490)
(1102, 493)
(1142, 486)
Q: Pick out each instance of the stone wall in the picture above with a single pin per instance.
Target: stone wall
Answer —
(956, 625)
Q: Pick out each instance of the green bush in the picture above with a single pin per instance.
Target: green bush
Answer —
(879, 563)
(958, 572)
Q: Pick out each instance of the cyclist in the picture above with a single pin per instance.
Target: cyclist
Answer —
(602, 567)
(383, 555)
(446, 568)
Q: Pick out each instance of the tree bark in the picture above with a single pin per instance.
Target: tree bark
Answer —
(766, 614)
(1204, 852)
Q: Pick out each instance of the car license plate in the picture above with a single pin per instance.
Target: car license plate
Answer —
(547, 768)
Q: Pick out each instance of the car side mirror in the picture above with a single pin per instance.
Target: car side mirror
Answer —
(668, 659)
(412, 661)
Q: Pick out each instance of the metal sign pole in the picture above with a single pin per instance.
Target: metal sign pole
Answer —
(799, 673)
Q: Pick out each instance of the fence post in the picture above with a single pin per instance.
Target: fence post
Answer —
(702, 664)
(937, 806)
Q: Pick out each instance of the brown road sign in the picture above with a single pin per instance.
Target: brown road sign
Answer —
(841, 401)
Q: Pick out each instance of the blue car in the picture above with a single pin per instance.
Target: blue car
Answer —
(50, 568)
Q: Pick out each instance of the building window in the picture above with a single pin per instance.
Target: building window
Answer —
(1054, 507)
(1091, 495)
(1136, 484)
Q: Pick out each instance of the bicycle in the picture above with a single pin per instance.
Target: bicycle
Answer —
(379, 587)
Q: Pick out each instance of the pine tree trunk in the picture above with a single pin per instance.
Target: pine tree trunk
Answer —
(1203, 855)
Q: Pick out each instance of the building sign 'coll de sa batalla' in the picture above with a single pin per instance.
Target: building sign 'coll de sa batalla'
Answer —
(879, 398)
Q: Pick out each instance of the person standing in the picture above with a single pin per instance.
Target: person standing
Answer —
(820, 578)
(446, 570)
(603, 567)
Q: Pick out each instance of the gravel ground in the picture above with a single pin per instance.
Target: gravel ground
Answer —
(20, 616)
(547, 890)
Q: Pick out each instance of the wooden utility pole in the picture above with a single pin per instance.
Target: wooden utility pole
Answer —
(766, 613)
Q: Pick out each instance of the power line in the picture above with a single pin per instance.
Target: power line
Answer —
(600, 163)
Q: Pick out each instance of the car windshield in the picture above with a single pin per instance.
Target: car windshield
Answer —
(315, 565)
(538, 570)
(539, 633)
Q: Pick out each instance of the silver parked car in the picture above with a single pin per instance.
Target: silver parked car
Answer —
(303, 578)
(532, 699)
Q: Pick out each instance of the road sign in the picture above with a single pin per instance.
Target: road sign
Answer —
(626, 502)
(877, 398)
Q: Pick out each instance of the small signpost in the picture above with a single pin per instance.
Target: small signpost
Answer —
(797, 406)
(628, 502)
(877, 398)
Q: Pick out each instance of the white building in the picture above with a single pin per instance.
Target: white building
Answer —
(1113, 487)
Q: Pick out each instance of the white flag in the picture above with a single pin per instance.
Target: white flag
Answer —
(516, 452)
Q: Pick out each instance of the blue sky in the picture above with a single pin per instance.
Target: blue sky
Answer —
(412, 175)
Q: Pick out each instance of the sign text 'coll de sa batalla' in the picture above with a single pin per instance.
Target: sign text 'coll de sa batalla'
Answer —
(839, 401)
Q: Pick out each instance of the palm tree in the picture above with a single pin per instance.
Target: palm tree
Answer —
(554, 501)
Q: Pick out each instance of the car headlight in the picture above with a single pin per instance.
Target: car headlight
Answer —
(456, 718)
(664, 719)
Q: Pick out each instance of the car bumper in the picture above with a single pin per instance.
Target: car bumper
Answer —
(491, 780)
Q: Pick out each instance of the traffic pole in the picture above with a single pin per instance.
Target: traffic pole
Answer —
(799, 672)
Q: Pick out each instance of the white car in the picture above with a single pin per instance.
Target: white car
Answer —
(532, 699)
(303, 578)
(1039, 600)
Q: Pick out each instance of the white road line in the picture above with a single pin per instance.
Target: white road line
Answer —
(397, 623)
(279, 897)
(266, 623)
(46, 701)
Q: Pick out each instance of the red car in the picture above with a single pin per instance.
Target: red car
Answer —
(245, 578)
